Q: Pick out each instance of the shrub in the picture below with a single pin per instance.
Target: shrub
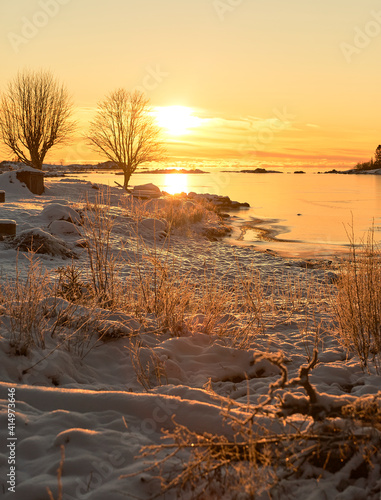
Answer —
(70, 284)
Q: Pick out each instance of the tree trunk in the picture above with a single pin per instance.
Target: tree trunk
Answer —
(36, 161)
(127, 176)
(126, 173)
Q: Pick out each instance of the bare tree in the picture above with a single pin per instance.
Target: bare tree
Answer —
(124, 130)
(35, 116)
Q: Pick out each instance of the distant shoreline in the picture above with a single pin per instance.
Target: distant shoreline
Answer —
(62, 170)
(354, 171)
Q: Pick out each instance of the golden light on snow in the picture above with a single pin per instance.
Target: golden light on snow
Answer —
(176, 183)
(177, 120)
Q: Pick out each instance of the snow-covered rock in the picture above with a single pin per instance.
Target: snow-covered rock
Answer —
(58, 211)
(41, 242)
(146, 191)
(220, 202)
(64, 228)
(154, 225)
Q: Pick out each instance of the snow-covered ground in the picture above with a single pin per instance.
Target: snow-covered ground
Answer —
(98, 384)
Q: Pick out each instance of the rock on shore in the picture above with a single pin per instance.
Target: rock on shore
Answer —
(149, 191)
(220, 202)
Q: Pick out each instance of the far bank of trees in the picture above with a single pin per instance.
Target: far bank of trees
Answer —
(35, 116)
(373, 163)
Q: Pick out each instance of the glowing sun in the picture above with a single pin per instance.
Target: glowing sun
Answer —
(176, 120)
(176, 183)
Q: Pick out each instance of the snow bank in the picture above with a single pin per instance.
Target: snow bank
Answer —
(12, 186)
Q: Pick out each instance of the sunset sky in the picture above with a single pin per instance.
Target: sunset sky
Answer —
(278, 83)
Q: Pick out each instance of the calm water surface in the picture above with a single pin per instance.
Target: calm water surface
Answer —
(297, 214)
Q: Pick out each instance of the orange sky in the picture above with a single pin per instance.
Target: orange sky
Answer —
(291, 83)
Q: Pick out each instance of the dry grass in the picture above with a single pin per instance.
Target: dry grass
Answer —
(97, 229)
(157, 287)
(59, 478)
(358, 303)
(182, 215)
(149, 369)
(21, 297)
(236, 310)
(265, 304)
(183, 303)
(33, 311)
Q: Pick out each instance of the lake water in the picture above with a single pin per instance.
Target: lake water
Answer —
(296, 214)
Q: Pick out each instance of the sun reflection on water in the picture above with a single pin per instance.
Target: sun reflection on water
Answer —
(176, 183)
